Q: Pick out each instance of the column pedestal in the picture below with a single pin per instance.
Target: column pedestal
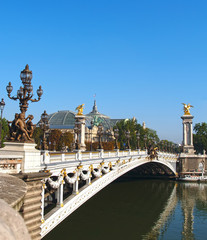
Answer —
(188, 147)
(31, 157)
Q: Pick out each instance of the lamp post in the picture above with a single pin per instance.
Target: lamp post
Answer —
(91, 145)
(161, 146)
(145, 141)
(24, 95)
(77, 131)
(100, 134)
(44, 125)
(2, 104)
(169, 147)
(108, 134)
(116, 135)
(138, 138)
(63, 147)
(128, 138)
(54, 146)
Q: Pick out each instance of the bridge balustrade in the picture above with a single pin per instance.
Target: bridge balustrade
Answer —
(10, 164)
(58, 157)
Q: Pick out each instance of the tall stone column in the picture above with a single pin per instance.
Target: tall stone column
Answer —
(188, 134)
(80, 121)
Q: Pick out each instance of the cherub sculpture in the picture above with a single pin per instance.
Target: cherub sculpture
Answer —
(80, 109)
(186, 108)
(30, 125)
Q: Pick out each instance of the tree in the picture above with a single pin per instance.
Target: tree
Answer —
(38, 135)
(4, 131)
(54, 138)
(200, 137)
(134, 127)
(65, 139)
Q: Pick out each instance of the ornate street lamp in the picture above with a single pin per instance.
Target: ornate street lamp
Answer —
(161, 146)
(63, 147)
(100, 133)
(145, 141)
(91, 145)
(128, 138)
(54, 145)
(44, 125)
(77, 131)
(2, 104)
(108, 134)
(116, 135)
(138, 138)
(24, 95)
(169, 147)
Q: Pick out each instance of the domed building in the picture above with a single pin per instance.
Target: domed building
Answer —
(65, 121)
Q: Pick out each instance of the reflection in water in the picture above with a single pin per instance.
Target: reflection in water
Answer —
(164, 217)
(188, 198)
(140, 209)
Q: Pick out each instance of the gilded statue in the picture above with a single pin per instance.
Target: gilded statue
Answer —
(186, 108)
(80, 109)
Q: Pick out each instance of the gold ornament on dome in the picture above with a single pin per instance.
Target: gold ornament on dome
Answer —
(186, 108)
(80, 109)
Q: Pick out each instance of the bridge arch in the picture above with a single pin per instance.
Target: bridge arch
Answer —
(126, 164)
(152, 168)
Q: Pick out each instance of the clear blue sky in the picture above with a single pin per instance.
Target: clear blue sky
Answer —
(141, 58)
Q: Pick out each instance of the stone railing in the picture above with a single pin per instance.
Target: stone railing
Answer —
(52, 157)
(10, 164)
(168, 156)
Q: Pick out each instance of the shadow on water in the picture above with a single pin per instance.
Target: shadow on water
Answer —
(123, 210)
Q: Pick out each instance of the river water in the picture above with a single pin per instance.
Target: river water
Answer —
(139, 209)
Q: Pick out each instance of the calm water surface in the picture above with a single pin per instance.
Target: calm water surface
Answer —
(140, 209)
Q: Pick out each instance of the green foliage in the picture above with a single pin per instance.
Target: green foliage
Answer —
(200, 137)
(168, 146)
(5, 130)
(54, 138)
(107, 146)
(38, 135)
(134, 127)
(66, 140)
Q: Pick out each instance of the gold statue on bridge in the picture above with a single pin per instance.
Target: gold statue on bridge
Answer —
(80, 109)
(186, 108)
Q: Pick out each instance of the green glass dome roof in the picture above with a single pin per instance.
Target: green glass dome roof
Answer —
(62, 119)
(66, 119)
